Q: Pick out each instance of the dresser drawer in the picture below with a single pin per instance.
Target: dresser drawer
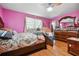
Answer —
(64, 35)
(73, 47)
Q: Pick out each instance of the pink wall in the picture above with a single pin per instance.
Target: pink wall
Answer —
(0, 11)
(73, 14)
(15, 20)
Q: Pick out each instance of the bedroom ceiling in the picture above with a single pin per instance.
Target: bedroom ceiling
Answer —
(40, 8)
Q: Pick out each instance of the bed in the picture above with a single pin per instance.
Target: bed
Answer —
(21, 43)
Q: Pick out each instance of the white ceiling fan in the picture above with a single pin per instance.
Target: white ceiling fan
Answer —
(49, 6)
(54, 4)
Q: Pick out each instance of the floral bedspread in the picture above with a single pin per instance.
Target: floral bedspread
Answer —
(18, 41)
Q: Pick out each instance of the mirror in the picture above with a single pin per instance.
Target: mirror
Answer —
(67, 22)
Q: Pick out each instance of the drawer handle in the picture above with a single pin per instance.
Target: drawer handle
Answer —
(70, 45)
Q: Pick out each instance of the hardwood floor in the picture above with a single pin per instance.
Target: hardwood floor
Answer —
(59, 49)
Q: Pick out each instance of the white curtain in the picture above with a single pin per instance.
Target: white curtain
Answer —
(31, 23)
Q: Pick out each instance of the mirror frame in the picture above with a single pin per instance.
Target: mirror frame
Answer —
(66, 18)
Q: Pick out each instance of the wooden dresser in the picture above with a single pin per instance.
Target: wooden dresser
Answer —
(63, 35)
(73, 46)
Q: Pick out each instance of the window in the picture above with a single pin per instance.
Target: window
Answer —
(37, 24)
(31, 23)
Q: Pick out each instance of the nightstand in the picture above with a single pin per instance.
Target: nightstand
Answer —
(73, 46)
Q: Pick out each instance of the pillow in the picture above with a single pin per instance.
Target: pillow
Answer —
(50, 33)
(31, 30)
(5, 34)
(14, 32)
(38, 33)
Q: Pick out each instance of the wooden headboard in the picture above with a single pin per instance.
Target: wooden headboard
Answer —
(1, 23)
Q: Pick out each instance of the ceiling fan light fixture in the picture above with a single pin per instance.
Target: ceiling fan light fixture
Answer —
(49, 9)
